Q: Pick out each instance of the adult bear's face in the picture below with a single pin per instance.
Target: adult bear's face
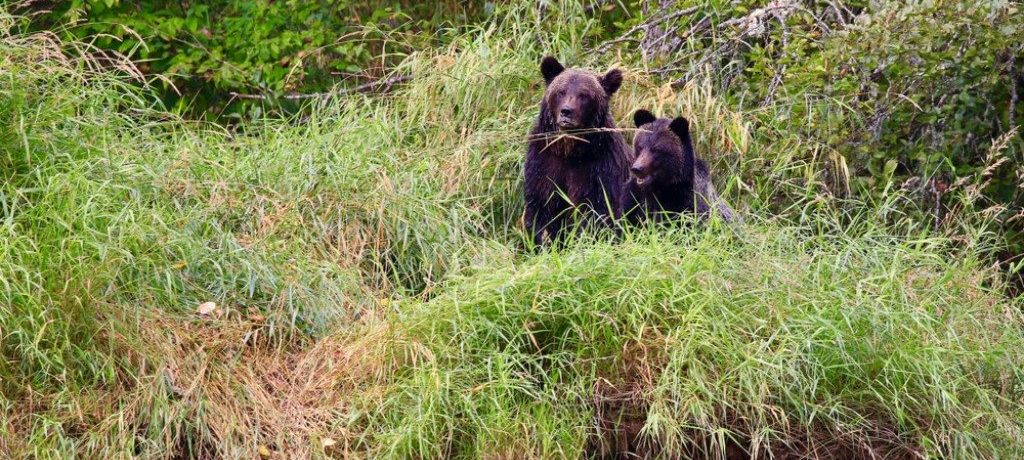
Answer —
(577, 99)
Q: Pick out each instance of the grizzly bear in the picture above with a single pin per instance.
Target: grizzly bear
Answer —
(667, 177)
(576, 160)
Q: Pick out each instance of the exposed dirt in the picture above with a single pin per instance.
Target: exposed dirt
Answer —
(620, 413)
(622, 437)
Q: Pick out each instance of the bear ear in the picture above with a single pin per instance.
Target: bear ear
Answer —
(611, 81)
(550, 68)
(642, 117)
(681, 127)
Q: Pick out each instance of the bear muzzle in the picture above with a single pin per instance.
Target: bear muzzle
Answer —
(641, 170)
(567, 119)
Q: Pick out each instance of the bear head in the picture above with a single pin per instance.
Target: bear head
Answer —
(664, 151)
(577, 99)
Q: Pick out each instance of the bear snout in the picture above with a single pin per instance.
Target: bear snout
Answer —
(567, 118)
(642, 165)
(641, 168)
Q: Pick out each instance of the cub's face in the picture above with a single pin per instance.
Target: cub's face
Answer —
(660, 150)
(577, 99)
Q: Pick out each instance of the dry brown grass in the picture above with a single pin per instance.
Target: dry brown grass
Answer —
(222, 380)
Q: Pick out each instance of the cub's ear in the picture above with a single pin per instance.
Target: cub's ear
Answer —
(642, 117)
(550, 68)
(611, 81)
(681, 127)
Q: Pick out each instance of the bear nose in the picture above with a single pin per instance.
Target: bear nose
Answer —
(637, 169)
(566, 112)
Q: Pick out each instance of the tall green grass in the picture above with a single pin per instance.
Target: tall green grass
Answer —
(375, 298)
(781, 340)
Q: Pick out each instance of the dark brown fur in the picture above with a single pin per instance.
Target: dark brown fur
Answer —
(667, 176)
(576, 160)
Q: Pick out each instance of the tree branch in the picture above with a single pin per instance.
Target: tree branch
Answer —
(654, 20)
(751, 24)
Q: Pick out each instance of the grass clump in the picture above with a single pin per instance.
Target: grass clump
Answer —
(698, 342)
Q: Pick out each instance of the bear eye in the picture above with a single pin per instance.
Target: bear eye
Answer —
(561, 92)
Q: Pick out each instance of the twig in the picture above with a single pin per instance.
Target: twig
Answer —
(700, 64)
(383, 85)
(673, 65)
(700, 26)
(776, 7)
(255, 97)
(655, 33)
(839, 9)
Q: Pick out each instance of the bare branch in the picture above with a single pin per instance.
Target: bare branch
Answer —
(653, 20)
(750, 25)
(254, 97)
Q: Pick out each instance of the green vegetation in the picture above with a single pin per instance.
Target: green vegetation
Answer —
(208, 50)
(374, 297)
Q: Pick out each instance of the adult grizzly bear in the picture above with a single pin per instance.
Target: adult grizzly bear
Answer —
(576, 160)
(667, 176)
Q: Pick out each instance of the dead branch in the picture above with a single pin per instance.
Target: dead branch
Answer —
(652, 42)
(650, 22)
(697, 28)
(750, 25)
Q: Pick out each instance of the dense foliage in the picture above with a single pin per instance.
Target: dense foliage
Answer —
(211, 49)
(918, 95)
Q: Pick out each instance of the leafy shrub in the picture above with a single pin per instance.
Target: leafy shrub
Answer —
(211, 49)
(920, 95)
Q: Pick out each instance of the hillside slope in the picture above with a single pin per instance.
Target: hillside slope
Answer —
(373, 297)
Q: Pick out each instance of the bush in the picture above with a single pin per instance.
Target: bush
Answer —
(212, 49)
(920, 96)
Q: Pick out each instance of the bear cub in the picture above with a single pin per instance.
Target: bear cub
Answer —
(667, 176)
(576, 160)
